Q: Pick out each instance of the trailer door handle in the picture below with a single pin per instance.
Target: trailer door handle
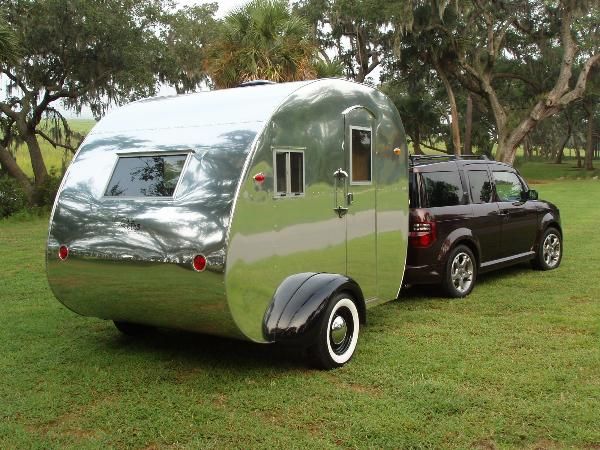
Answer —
(339, 176)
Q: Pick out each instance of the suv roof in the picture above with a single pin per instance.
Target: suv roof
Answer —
(427, 163)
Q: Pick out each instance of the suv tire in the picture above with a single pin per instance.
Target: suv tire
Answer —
(460, 273)
(549, 252)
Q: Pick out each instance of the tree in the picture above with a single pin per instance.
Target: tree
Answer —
(9, 47)
(79, 53)
(356, 31)
(420, 108)
(262, 40)
(186, 36)
(490, 36)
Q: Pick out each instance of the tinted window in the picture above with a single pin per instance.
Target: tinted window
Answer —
(280, 169)
(145, 176)
(442, 189)
(508, 186)
(480, 185)
(297, 172)
(361, 155)
(289, 173)
(413, 191)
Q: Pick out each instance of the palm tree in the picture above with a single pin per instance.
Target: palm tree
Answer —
(9, 49)
(262, 40)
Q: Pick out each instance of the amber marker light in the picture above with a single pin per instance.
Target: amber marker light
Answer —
(199, 263)
(63, 252)
(397, 151)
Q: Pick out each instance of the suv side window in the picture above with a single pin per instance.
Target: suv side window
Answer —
(508, 186)
(480, 186)
(441, 189)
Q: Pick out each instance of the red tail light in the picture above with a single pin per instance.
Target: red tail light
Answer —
(422, 234)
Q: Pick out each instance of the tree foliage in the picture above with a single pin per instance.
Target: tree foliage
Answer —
(185, 37)
(81, 53)
(262, 40)
(543, 51)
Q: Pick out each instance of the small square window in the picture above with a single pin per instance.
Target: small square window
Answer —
(361, 155)
(289, 172)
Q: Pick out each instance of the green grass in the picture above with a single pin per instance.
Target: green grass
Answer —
(541, 170)
(517, 364)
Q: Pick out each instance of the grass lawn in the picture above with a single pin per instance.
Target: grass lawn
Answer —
(517, 364)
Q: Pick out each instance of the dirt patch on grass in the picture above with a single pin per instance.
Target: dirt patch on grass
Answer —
(546, 444)
(373, 391)
(485, 444)
(66, 424)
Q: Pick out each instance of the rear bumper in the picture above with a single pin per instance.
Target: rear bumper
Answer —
(422, 275)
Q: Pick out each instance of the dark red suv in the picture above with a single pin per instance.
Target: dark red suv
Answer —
(469, 216)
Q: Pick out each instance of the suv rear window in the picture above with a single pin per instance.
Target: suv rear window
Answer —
(441, 189)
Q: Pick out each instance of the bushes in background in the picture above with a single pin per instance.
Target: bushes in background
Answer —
(13, 200)
(12, 197)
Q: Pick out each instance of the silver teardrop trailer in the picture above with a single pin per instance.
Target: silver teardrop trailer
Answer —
(271, 213)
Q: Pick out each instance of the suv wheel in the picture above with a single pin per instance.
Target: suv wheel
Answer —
(549, 252)
(460, 273)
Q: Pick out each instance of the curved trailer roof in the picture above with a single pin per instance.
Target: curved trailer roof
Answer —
(202, 109)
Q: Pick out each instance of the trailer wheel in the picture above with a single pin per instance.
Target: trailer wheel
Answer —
(338, 333)
(132, 329)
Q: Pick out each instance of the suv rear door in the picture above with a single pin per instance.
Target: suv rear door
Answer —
(519, 225)
(486, 223)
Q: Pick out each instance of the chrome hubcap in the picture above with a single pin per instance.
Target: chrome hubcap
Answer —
(551, 250)
(462, 272)
(339, 329)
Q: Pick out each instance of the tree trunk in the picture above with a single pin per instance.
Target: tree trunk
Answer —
(454, 125)
(417, 142)
(577, 155)
(13, 170)
(589, 144)
(469, 125)
(527, 148)
(561, 148)
(37, 160)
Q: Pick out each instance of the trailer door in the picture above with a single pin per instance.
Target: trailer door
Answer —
(361, 245)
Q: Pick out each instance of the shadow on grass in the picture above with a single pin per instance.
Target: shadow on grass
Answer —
(430, 292)
(199, 350)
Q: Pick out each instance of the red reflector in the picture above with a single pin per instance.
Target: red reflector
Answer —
(259, 177)
(63, 252)
(199, 263)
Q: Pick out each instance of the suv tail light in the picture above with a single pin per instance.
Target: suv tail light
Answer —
(422, 234)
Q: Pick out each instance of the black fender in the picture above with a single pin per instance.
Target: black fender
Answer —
(299, 303)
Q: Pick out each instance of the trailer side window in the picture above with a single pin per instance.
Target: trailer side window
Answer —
(146, 176)
(289, 172)
(361, 150)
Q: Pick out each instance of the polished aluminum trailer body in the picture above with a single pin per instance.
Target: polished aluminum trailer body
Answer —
(271, 187)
